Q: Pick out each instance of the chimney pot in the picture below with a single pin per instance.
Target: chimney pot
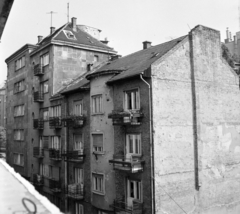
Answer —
(146, 44)
(40, 38)
(74, 23)
(52, 30)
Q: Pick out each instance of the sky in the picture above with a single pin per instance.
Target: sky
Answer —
(125, 23)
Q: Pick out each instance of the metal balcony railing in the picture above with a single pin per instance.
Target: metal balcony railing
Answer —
(132, 164)
(38, 70)
(74, 156)
(38, 124)
(122, 206)
(38, 96)
(75, 191)
(73, 121)
(55, 122)
(55, 154)
(38, 180)
(120, 118)
(38, 152)
(54, 185)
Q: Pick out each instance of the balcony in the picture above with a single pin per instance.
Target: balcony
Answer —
(38, 70)
(54, 186)
(132, 164)
(38, 152)
(37, 180)
(76, 156)
(55, 123)
(55, 154)
(74, 121)
(122, 207)
(38, 96)
(75, 191)
(38, 124)
(120, 118)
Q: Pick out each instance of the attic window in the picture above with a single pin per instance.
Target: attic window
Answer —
(69, 34)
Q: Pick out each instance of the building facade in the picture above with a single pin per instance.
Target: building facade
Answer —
(156, 131)
(3, 107)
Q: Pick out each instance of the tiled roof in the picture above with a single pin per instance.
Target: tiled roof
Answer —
(136, 63)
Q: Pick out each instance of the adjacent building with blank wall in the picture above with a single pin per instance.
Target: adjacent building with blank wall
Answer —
(156, 131)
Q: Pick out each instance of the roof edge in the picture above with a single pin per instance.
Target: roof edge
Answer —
(101, 73)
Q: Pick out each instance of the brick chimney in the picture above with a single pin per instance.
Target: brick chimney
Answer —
(40, 38)
(74, 23)
(52, 30)
(146, 44)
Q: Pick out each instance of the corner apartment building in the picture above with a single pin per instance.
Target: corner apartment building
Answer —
(156, 131)
(3, 106)
(35, 146)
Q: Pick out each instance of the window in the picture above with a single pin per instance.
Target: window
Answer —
(97, 104)
(69, 34)
(18, 159)
(47, 171)
(45, 114)
(78, 107)
(78, 175)
(20, 63)
(97, 142)
(55, 142)
(134, 190)
(98, 183)
(45, 59)
(95, 59)
(55, 111)
(44, 87)
(79, 208)
(133, 144)
(18, 134)
(45, 141)
(131, 100)
(18, 110)
(19, 86)
(78, 145)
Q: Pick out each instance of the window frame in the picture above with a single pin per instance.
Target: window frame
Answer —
(54, 111)
(94, 151)
(93, 109)
(127, 144)
(42, 86)
(16, 110)
(42, 57)
(129, 190)
(66, 32)
(138, 102)
(80, 104)
(81, 143)
(55, 144)
(80, 209)
(19, 88)
(22, 61)
(97, 174)
(21, 135)
(20, 160)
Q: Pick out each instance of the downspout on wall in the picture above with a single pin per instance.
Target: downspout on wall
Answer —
(151, 145)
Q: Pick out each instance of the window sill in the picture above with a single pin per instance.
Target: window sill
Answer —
(19, 68)
(98, 153)
(19, 116)
(100, 113)
(98, 193)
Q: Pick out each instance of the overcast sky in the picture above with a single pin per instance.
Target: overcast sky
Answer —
(126, 23)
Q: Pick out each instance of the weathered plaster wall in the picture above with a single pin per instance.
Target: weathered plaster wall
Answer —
(101, 124)
(71, 62)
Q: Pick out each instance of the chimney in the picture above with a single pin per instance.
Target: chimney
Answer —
(146, 44)
(40, 38)
(52, 30)
(230, 36)
(235, 39)
(105, 41)
(74, 23)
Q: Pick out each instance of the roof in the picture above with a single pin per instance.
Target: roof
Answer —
(136, 63)
(83, 39)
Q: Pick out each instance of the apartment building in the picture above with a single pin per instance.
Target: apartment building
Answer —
(36, 129)
(156, 131)
(2, 106)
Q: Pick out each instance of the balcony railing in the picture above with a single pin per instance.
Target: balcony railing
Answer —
(55, 122)
(55, 154)
(38, 152)
(37, 180)
(38, 96)
(74, 156)
(132, 164)
(75, 191)
(120, 118)
(38, 124)
(122, 207)
(38, 70)
(73, 121)
(54, 186)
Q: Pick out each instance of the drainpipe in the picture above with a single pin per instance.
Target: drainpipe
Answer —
(151, 145)
(65, 148)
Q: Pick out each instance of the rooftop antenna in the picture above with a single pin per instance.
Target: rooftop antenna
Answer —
(51, 12)
(68, 12)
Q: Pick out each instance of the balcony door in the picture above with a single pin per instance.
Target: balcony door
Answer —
(78, 176)
(134, 191)
(133, 145)
(78, 145)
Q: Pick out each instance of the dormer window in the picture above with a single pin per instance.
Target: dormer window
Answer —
(69, 35)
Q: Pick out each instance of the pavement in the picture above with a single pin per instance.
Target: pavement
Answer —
(15, 191)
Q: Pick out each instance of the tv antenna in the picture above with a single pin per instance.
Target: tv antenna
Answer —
(68, 12)
(51, 13)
